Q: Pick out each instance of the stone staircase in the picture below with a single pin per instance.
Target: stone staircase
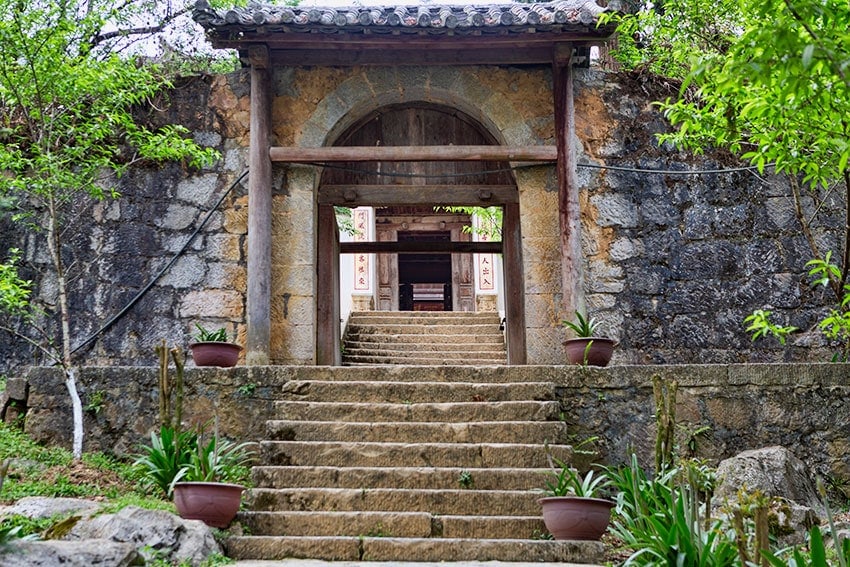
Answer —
(423, 338)
(407, 464)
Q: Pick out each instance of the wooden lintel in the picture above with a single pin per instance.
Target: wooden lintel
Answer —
(414, 153)
(418, 247)
(406, 56)
(389, 195)
(400, 41)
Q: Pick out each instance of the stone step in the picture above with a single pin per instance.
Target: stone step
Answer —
(443, 374)
(417, 392)
(426, 317)
(415, 328)
(421, 432)
(462, 412)
(438, 357)
(435, 501)
(465, 455)
(399, 477)
(337, 523)
(400, 550)
(414, 361)
(392, 524)
(494, 338)
(454, 351)
(400, 464)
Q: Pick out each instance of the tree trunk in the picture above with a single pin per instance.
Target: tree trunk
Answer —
(77, 411)
(54, 245)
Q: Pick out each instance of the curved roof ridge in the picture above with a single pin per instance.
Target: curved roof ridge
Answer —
(441, 16)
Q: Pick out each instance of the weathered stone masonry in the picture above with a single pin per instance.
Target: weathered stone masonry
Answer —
(799, 406)
(671, 263)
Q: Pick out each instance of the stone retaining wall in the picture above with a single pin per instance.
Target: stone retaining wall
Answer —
(800, 406)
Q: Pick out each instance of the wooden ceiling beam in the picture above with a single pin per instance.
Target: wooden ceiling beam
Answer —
(406, 56)
(389, 195)
(315, 41)
(420, 247)
(331, 154)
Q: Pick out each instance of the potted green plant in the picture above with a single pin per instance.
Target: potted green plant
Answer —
(572, 509)
(586, 348)
(161, 461)
(204, 478)
(209, 487)
(212, 348)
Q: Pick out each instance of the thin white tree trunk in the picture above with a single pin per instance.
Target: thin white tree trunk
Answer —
(55, 247)
(77, 411)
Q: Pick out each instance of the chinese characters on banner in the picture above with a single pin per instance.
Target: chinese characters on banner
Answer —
(361, 261)
(485, 267)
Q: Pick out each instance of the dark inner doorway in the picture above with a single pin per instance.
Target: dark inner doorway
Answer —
(425, 280)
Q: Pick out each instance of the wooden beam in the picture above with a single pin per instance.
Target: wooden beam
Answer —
(388, 195)
(514, 286)
(568, 201)
(258, 296)
(401, 56)
(413, 153)
(410, 40)
(327, 289)
(419, 247)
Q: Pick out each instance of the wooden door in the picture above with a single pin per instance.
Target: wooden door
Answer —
(387, 274)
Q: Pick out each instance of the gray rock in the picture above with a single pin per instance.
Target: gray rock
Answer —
(776, 472)
(17, 388)
(773, 470)
(164, 534)
(38, 507)
(70, 554)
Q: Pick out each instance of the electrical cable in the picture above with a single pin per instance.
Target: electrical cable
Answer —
(673, 172)
(159, 274)
(218, 203)
(749, 168)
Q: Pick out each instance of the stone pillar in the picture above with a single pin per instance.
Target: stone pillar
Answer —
(259, 211)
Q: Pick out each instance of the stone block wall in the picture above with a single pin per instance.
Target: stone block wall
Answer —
(799, 406)
(742, 406)
(672, 264)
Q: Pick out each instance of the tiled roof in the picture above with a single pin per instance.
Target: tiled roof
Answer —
(544, 16)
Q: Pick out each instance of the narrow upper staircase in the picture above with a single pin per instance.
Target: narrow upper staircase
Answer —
(408, 464)
(423, 338)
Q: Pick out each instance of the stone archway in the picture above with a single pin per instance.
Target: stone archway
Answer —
(399, 186)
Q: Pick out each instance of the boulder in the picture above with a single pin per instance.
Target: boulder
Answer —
(155, 533)
(776, 472)
(50, 553)
(39, 507)
(773, 470)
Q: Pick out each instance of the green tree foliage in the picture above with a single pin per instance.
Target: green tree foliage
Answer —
(664, 37)
(14, 290)
(67, 128)
(770, 81)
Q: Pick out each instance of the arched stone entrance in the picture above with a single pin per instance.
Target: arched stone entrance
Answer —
(424, 259)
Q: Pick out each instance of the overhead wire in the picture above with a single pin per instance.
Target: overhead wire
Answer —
(629, 169)
(112, 320)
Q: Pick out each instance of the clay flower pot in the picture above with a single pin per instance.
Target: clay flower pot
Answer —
(576, 518)
(215, 353)
(598, 354)
(214, 503)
